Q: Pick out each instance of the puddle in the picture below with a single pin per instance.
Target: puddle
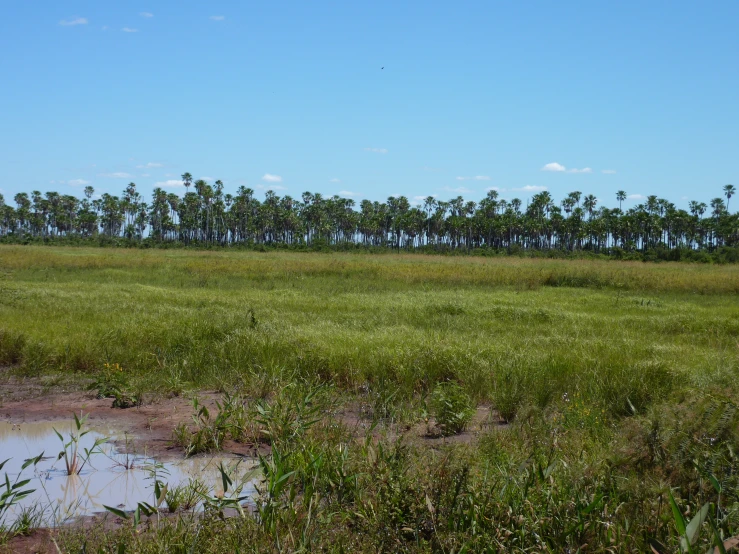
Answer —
(109, 477)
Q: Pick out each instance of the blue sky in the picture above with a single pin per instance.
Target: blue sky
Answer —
(632, 95)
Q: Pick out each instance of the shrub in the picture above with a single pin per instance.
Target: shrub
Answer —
(451, 407)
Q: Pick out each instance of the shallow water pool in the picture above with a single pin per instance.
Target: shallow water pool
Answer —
(108, 478)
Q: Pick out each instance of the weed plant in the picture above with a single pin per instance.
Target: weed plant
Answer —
(452, 408)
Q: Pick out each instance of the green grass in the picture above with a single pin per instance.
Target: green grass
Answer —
(600, 366)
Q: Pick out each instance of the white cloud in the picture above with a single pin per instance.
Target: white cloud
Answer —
(421, 198)
(272, 178)
(150, 164)
(559, 168)
(129, 30)
(116, 175)
(461, 190)
(207, 179)
(554, 166)
(349, 193)
(170, 183)
(73, 21)
(530, 188)
(335, 180)
(146, 14)
(496, 189)
(145, 175)
(609, 171)
(475, 178)
(270, 187)
(217, 17)
(78, 182)
(376, 150)
(636, 197)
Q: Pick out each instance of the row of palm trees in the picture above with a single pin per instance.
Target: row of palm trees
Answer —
(207, 215)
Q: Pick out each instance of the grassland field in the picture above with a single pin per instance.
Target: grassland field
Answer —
(617, 382)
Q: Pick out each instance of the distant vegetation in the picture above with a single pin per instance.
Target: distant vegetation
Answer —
(655, 229)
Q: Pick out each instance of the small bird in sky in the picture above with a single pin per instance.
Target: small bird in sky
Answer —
(383, 67)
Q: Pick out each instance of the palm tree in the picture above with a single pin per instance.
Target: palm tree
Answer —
(187, 180)
(210, 216)
(729, 191)
(717, 204)
(621, 197)
(589, 204)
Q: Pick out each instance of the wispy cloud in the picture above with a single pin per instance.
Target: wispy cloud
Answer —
(334, 180)
(530, 188)
(145, 175)
(78, 182)
(461, 190)
(349, 193)
(422, 198)
(496, 189)
(554, 166)
(217, 17)
(116, 175)
(559, 168)
(207, 178)
(73, 21)
(150, 165)
(104, 28)
(170, 183)
(129, 30)
(146, 14)
(636, 197)
(272, 178)
(270, 187)
(377, 150)
(609, 171)
(475, 178)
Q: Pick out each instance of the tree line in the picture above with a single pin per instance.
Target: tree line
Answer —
(205, 215)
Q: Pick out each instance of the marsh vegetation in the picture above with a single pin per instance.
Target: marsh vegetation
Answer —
(607, 392)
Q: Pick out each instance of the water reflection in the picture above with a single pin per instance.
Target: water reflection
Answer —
(110, 478)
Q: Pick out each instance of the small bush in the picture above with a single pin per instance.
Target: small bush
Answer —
(451, 407)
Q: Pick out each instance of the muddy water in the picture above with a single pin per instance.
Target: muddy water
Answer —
(109, 478)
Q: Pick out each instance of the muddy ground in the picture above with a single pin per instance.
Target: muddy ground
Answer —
(149, 428)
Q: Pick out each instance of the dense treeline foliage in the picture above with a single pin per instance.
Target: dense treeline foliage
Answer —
(208, 216)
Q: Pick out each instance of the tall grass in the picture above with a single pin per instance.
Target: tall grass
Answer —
(618, 382)
(619, 333)
(564, 481)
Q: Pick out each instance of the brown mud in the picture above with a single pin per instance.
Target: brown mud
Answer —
(148, 429)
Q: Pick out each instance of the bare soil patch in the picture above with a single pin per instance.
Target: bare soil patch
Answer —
(148, 427)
